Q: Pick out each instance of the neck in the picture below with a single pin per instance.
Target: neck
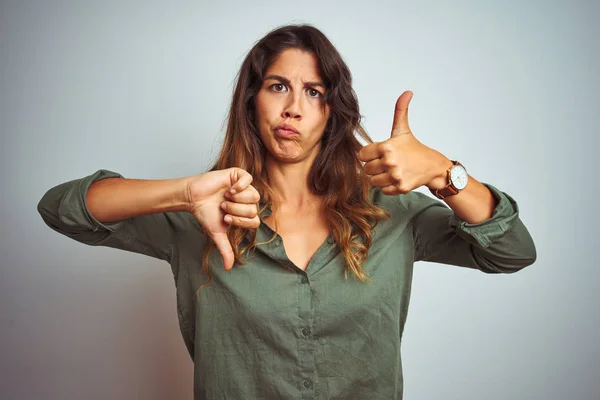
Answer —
(290, 184)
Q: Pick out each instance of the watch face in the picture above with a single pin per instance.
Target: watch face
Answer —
(459, 177)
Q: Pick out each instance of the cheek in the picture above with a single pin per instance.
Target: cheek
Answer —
(262, 119)
(323, 119)
(264, 111)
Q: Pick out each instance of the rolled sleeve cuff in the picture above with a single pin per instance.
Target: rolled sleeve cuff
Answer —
(505, 214)
(73, 209)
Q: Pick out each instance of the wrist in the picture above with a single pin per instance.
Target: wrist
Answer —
(440, 179)
(169, 195)
(185, 193)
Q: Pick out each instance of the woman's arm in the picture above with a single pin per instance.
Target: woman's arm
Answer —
(105, 209)
(498, 244)
(144, 216)
(474, 204)
(116, 199)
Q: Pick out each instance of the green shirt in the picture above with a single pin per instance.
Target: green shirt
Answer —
(268, 330)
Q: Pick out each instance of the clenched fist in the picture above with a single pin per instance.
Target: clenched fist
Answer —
(402, 163)
(221, 198)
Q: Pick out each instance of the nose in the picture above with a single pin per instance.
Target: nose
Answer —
(292, 108)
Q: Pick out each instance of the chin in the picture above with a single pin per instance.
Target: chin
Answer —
(286, 158)
(291, 152)
(286, 154)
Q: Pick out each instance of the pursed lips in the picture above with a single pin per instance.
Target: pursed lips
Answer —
(286, 131)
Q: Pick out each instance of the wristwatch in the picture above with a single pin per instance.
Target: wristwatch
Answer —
(457, 181)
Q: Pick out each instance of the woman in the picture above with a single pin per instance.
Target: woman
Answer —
(317, 234)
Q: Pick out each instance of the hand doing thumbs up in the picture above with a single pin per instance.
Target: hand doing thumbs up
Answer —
(222, 198)
(401, 163)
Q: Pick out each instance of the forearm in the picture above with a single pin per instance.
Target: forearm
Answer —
(474, 204)
(116, 199)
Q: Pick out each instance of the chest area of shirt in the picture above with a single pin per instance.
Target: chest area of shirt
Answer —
(301, 236)
(263, 290)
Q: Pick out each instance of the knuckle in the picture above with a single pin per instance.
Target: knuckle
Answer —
(252, 210)
(386, 148)
(403, 188)
(389, 190)
(389, 162)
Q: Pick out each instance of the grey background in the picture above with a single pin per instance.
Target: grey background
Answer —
(142, 88)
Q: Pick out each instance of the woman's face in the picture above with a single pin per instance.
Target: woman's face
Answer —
(289, 112)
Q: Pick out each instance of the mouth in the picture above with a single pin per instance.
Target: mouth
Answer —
(286, 131)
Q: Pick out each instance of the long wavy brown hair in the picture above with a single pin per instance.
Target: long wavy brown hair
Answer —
(336, 174)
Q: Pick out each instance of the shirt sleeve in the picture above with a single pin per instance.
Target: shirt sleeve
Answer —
(63, 208)
(501, 244)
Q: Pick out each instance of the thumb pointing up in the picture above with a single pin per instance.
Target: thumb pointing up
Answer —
(400, 126)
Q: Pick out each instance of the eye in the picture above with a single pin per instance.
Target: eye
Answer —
(277, 87)
(314, 93)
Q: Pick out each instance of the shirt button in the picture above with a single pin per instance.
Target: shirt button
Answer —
(307, 384)
(305, 331)
(304, 279)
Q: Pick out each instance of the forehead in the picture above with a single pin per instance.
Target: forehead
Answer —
(295, 64)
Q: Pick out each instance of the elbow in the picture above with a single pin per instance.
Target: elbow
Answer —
(519, 265)
(532, 256)
(49, 208)
(45, 208)
(516, 257)
(528, 255)
(508, 264)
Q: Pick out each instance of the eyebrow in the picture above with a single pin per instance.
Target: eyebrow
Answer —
(285, 80)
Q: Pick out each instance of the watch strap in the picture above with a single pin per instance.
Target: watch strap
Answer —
(450, 189)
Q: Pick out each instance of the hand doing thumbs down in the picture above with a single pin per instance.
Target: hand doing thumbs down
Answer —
(222, 198)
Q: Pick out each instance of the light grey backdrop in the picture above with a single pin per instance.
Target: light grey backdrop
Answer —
(509, 88)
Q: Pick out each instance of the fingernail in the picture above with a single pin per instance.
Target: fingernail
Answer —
(228, 219)
(232, 191)
(224, 206)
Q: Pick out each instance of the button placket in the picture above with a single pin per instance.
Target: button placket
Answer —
(306, 345)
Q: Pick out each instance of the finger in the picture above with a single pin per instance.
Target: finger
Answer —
(242, 222)
(222, 242)
(248, 196)
(374, 167)
(369, 152)
(382, 180)
(389, 190)
(240, 181)
(239, 209)
(400, 125)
